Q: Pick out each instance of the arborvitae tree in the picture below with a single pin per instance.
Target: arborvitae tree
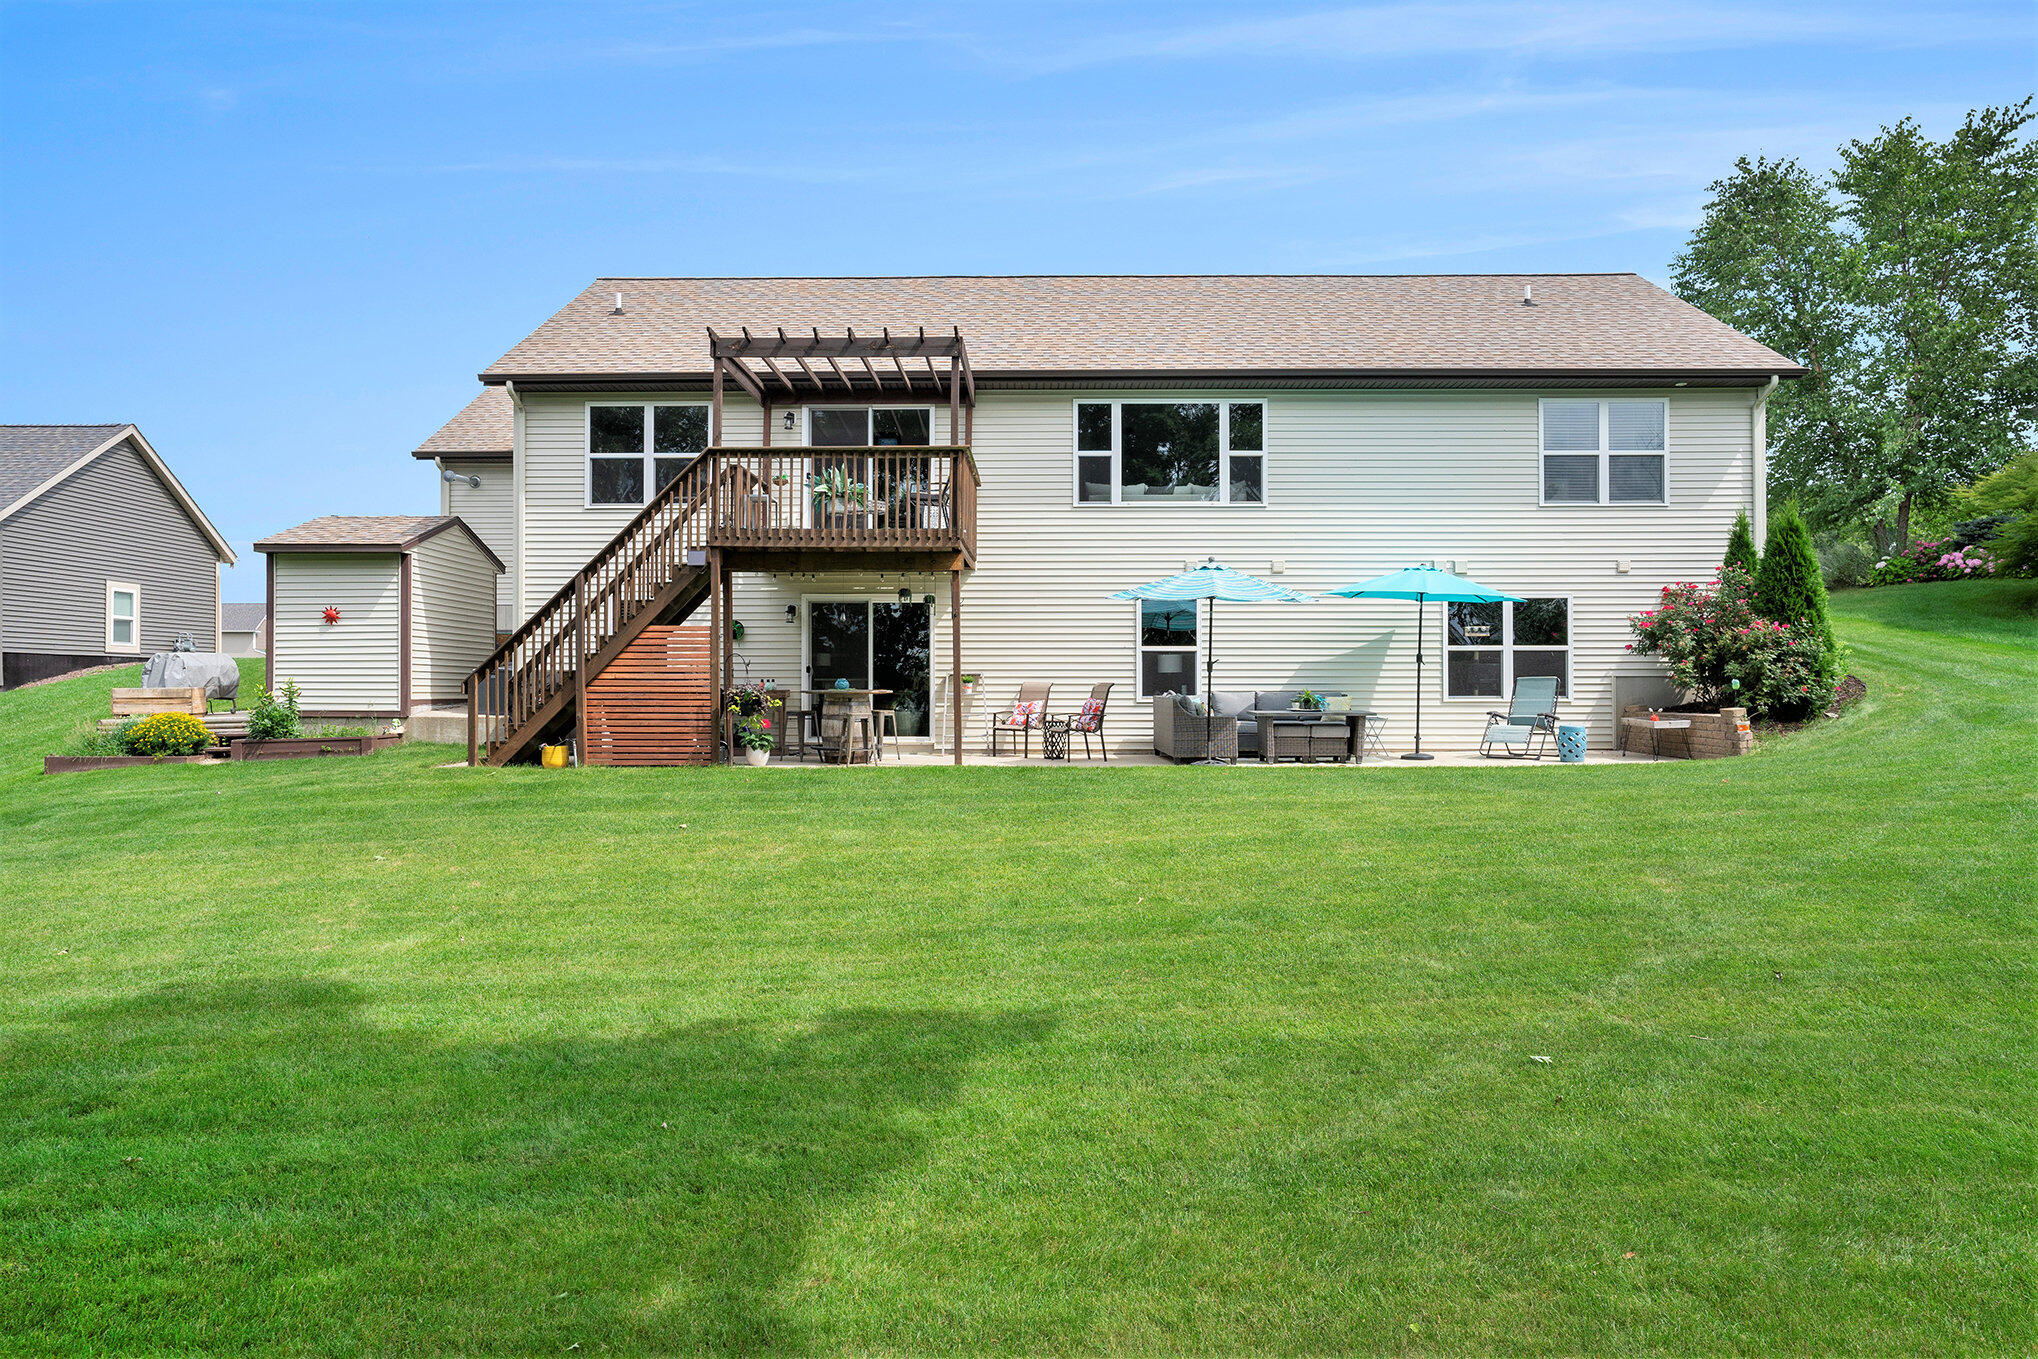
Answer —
(1741, 547)
(1788, 587)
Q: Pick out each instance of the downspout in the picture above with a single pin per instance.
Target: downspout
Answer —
(1758, 433)
(516, 490)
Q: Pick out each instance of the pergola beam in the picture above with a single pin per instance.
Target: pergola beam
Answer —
(841, 353)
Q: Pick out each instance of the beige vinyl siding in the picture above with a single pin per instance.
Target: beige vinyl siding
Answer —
(491, 512)
(1358, 484)
(560, 530)
(452, 628)
(111, 519)
(349, 666)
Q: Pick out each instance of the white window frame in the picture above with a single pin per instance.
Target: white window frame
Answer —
(588, 455)
(129, 587)
(1116, 452)
(1606, 452)
(1506, 648)
(1140, 648)
(867, 407)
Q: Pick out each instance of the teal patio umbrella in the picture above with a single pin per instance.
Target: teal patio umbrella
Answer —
(1422, 584)
(1212, 581)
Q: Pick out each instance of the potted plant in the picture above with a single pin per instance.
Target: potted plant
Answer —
(755, 711)
(835, 492)
(1309, 701)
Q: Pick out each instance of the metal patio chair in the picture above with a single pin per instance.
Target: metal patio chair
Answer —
(1529, 724)
(1090, 721)
(1011, 721)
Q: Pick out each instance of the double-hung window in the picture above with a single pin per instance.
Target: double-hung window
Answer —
(1603, 452)
(123, 615)
(1487, 647)
(633, 447)
(1167, 647)
(1171, 452)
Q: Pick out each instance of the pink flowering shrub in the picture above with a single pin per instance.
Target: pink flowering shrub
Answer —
(1933, 561)
(1725, 655)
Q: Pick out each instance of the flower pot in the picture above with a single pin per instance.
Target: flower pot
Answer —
(756, 759)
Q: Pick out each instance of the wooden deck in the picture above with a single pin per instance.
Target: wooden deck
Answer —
(898, 508)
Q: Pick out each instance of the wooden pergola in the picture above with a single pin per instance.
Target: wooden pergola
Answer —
(801, 369)
(868, 368)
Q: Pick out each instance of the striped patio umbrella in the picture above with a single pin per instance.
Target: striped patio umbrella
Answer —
(1212, 581)
(1422, 584)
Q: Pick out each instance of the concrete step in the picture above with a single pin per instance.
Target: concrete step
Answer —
(445, 726)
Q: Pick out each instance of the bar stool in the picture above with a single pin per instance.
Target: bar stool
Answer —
(887, 720)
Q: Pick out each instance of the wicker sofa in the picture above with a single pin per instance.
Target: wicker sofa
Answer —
(1238, 705)
(1179, 733)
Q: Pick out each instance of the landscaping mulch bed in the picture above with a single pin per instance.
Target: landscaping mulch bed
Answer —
(1846, 694)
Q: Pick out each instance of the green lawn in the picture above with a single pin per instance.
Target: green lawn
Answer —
(367, 1056)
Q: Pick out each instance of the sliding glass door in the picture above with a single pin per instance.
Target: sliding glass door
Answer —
(874, 645)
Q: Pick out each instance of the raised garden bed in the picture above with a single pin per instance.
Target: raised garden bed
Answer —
(310, 747)
(76, 764)
(1711, 735)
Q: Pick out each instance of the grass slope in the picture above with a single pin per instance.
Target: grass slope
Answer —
(367, 1056)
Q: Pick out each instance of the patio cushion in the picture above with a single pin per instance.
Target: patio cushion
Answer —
(1090, 718)
(1022, 714)
(1229, 703)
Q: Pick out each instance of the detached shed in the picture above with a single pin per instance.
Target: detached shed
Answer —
(374, 615)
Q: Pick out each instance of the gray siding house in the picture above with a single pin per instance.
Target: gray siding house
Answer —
(104, 556)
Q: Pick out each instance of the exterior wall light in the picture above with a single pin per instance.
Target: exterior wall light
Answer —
(792, 613)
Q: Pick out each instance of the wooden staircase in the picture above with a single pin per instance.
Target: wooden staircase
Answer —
(654, 571)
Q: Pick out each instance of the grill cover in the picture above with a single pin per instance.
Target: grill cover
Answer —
(213, 671)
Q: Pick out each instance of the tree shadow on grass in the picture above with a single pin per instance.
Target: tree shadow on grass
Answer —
(254, 1165)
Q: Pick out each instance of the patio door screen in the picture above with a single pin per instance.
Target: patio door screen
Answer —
(874, 645)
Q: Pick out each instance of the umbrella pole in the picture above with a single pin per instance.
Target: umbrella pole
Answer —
(1209, 678)
(1417, 753)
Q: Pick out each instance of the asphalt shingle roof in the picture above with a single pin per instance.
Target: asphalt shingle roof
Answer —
(369, 533)
(31, 454)
(1270, 324)
(388, 532)
(242, 617)
(483, 428)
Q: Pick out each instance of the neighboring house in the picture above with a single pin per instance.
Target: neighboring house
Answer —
(473, 452)
(243, 629)
(1579, 440)
(104, 556)
(373, 615)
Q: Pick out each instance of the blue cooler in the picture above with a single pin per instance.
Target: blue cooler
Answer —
(1571, 743)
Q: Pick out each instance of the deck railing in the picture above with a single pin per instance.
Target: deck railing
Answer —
(844, 499)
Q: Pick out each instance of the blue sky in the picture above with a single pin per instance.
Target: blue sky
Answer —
(282, 239)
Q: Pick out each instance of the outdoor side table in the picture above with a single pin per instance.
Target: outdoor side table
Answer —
(1054, 738)
(1657, 726)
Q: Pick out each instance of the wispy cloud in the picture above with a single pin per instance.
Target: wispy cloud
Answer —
(1542, 31)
